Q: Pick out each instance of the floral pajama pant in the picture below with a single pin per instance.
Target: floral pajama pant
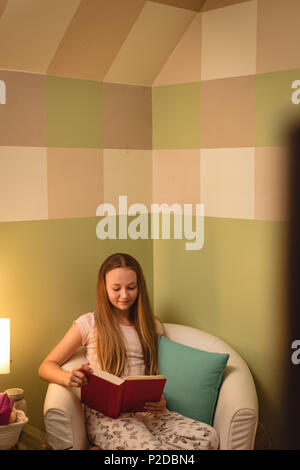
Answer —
(147, 431)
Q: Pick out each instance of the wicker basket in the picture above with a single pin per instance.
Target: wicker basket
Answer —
(10, 433)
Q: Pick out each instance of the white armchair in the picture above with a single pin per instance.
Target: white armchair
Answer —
(236, 414)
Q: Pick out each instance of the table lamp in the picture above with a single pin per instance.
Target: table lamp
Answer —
(10, 433)
(4, 345)
(17, 394)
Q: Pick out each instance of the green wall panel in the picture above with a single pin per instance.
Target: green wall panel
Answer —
(176, 116)
(48, 278)
(233, 288)
(74, 113)
(277, 105)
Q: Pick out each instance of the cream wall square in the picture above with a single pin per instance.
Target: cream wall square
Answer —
(227, 182)
(127, 173)
(75, 182)
(23, 183)
(272, 181)
(229, 41)
(176, 176)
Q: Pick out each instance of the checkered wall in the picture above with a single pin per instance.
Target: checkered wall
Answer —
(227, 93)
(166, 101)
(76, 126)
(209, 91)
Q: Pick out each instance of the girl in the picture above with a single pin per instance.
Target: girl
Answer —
(121, 338)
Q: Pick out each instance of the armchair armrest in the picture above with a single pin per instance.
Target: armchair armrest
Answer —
(236, 415)
(64, 418)
(64, 413)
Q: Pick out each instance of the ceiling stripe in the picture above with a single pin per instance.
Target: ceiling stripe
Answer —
(94, 38)
(148, 45)
(31, 31)
(187, 53)
(194, 5)
(3, 4)
(214, 4)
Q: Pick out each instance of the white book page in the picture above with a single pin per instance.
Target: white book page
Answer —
(144, 377)
(117, 380)
(107, 376)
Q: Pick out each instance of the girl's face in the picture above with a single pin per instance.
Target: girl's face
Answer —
(122, 288)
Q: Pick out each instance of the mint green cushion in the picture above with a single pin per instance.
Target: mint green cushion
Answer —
(193, 378)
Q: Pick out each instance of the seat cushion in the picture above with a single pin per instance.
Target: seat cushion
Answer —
(193, 378)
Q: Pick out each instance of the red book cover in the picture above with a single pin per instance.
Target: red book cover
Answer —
(137, 392)
(111, 395)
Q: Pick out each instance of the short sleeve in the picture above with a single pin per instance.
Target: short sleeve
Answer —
(159, 326)
(86, 324)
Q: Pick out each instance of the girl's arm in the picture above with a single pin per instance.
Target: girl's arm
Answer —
(50, 369)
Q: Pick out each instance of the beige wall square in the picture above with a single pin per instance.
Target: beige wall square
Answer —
(227, 182)
(176, 177)
(278, 35)
(128, 173)
(271, 183)
(23, 183)
(23, 117)
(229, 41)
(227, 112)
(126, 116)
(75, 182)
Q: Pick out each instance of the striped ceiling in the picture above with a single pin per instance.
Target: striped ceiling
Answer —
(120, 41)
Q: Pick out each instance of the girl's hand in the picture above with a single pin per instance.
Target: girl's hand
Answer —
(75, 378)
(156, 407)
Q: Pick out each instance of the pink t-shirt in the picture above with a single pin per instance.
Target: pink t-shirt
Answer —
(136, 365)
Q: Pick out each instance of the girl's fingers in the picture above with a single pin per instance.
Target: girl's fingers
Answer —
(77, 381)
(156, 406)
(74, 383)
(78, 377)
(153, 406)
(85, 367)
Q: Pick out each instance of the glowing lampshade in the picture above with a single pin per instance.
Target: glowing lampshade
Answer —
(4, 345)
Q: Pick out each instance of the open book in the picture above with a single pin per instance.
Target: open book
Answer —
(112, 395)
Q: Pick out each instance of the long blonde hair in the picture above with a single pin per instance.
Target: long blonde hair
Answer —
(111, 350)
